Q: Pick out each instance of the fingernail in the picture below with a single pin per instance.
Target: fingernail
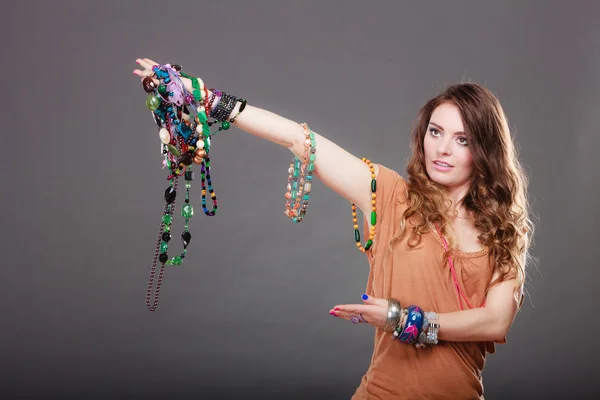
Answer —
(331, 313)
(336, 309)
(365, 296)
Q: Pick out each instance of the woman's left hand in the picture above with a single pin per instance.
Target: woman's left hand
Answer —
(373, 311)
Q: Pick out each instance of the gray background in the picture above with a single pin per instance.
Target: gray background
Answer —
(247, 313)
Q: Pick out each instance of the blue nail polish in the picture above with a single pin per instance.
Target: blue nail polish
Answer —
(365, 297)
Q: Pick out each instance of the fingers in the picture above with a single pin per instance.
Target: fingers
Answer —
(145, 63)
(346, 310)
(374, 300)
(141, 74)
(149, 61)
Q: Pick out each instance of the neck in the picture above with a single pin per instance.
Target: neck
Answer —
(457, 195)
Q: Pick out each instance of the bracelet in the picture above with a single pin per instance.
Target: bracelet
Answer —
(300, 178)
(422, 340)
(224, 107)
(400, 327)
(393, 315)
(242, 107)
(433, 329)
(414, 323)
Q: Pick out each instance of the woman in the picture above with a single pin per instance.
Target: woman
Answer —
(448, 245)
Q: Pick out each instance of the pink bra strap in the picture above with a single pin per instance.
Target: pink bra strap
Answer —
(459, 292)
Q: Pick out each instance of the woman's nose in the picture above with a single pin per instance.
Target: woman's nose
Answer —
(444, 148)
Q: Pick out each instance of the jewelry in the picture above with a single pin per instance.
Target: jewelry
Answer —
(413, 327)
(393, 315)
(300, 178)
(357, 319)
(369, 242)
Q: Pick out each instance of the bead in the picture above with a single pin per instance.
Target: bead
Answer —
(373, 217)
(356, 235)
(148, 84)
(373, 185)
(167, 219)
(165, 136)
(307, 187)
(177, 67)
(152, 102)
(187, 211)
(166, 236)
(189, 175)
(162, 89)
(202, 115)
(177, 260)
(173, 150)
(163, 258)
(225, 125)
(369, 244)
(164, 246)
(185, 238)
(200, 145)
(170, 195)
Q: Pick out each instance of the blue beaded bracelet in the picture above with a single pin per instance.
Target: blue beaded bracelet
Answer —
(414, 324)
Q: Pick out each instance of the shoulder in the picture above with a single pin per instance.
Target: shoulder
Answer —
(390, 183)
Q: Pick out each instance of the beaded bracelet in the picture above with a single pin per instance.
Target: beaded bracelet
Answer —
(300, 178)
(224, 107)
(369, 242)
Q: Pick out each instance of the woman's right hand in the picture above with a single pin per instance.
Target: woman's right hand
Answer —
(146, 65)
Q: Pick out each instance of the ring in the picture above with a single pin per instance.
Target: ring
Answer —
(357, 319)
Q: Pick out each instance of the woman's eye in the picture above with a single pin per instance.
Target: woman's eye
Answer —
(434, 132)
(462, 141)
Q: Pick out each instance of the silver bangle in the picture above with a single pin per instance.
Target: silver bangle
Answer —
(434, 327)
(393, 315)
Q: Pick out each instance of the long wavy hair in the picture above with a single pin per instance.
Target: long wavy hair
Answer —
(497, 197)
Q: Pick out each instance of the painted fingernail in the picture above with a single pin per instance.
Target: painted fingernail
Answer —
(336, 309)
(332, 313)
(365, 296)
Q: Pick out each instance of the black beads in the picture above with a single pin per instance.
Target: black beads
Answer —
(170, 194)
(163, 258)
(185, 238)
(166, 236)
(189, 175)
(148, 84)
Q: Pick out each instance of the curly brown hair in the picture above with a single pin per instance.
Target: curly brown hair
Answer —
(497, 197)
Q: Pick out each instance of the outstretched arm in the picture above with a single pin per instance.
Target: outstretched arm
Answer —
(339, 170)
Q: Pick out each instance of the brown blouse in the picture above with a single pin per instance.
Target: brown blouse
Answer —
(420, 275)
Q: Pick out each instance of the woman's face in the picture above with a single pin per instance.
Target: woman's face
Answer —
(448, 159)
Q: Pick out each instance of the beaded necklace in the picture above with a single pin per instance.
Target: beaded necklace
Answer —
(369, 242)
(182, 137)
